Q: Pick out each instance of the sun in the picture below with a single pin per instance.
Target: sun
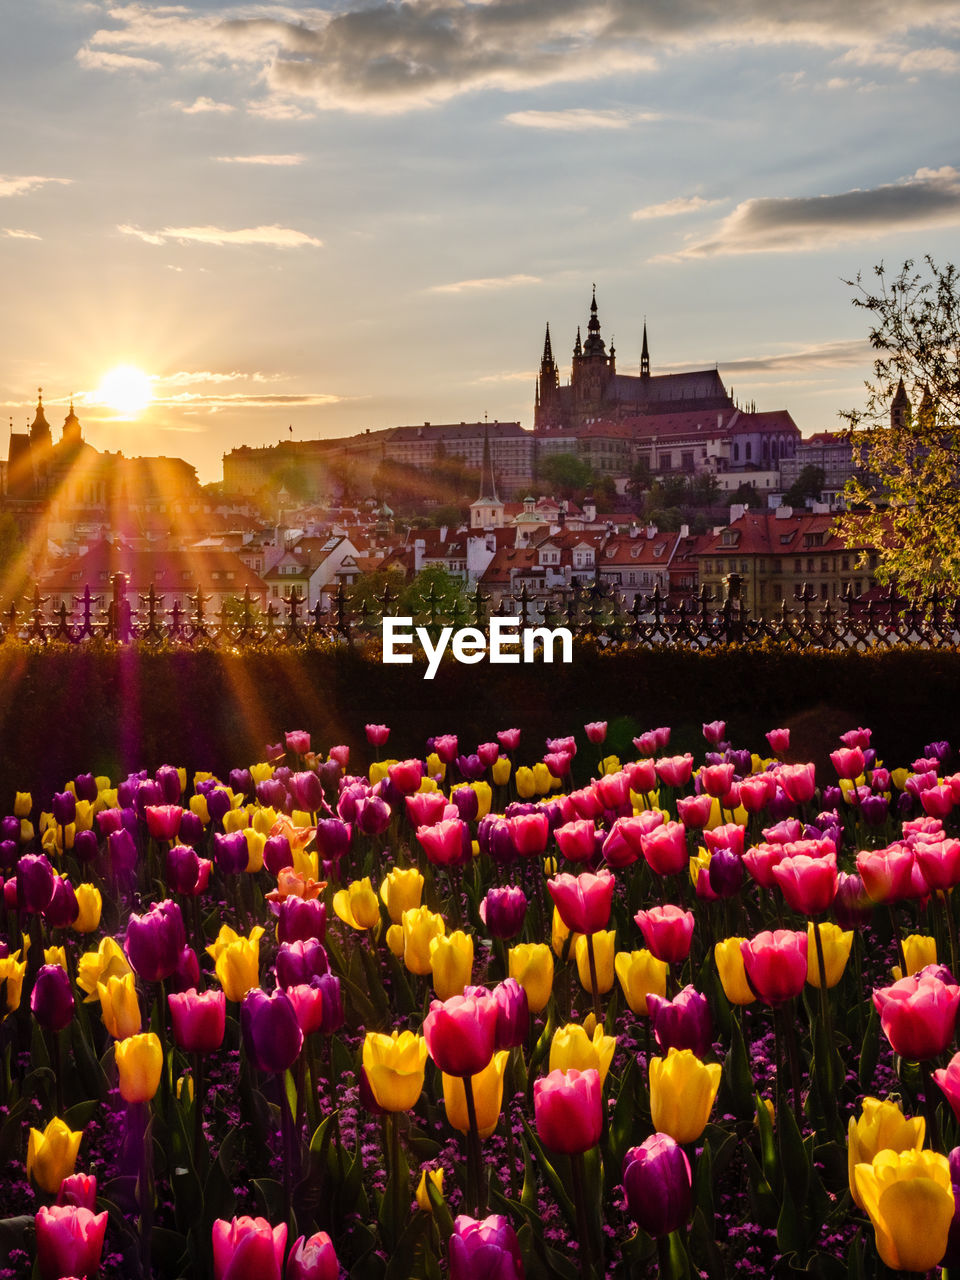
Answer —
(126, 388)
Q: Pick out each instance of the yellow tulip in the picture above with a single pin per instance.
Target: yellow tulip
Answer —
(255, 842)
(55, 955)
(90, 902)
(12, 972)
(94, 967)
(717, 819)
(429, 783)
(572, 1048)
(119, 1006)
(899, 778)
(526, 786)
(261, 771)
(357, 905)
(435, 768)
(223, 940)
(395, 940)
(559, 933)
(23, 804)
(882, 1127)
(451, 962)
(908, 1196)
(531, 963)
(52, 1154)
(400, 891)
(733, 975)
(379, 770)
(237, 964)
(699, 863)
(306, 862)
(641, 974)
(423, 1199)
(543, 779)
(198, 805)
(603, 948)
(394, 1066)
(682, 1093)
(185, 1082)
(139, 1062)
(26, 830)
(420, 926)
(611, 764)
(263, 819)
(918, 950)
(84, 819)
(836, 952)
(501, 770)
(235, 820)
(487, 1096)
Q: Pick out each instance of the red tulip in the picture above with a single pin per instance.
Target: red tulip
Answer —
(406, 776)
(461, 1033)
(447, 843)
(918, 1015)
(776, 964)
(531, 831)
(307, 1001)
(163, 820)
(377, 734)
(717, 779)
(583, 901)
(694, 811)
(675, 771)
(939, 861)
(848, 762)
(577, 840)
(248, 1249)
(808, 884)
(426, 807)
(614, 789)
(568, 1110)
(667, 931)
(199, 1019)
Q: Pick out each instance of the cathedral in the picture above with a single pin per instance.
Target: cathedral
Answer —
(597, 392)
(36, 467)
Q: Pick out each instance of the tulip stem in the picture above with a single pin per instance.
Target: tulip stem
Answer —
(473, 1147)
(398, 1214)
(930, 1106)
(829, 1091)
(197, 1109)
(594, 984)
(898, 940)
(944, 898)
(583, 1229)
(286, 1149)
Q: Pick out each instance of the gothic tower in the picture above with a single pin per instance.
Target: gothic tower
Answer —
(548, 384)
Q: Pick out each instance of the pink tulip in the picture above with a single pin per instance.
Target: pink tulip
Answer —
(887, 874)
(248, 1249)
(298, 741)
(79, 1190)
(675, 771)
(779, 740)
(776, 964)
(163, 820)
(586, 802)
(613, 789)
(531, 831)
(406, 776)
(568, 1110)
(596, 731)
(939, 862)
(461, 1033)
(856, 738)
(199, 1019)
(642, 775)
(667, 931)
(313, 1259)
(424, 808)
(937, 801)
(848, 762)
(447, 843)
(307, 1002)
(694, 811)
(577, 840)
(761, 860)
(798, 781)
(948, 1079)
(377, 734)
(583, 901)
(69, 1241)
(808, 884)
(756, 792)
(716, 779)
(918, 1015)
(730, 836)
(715, 731)
(665, 848)
(509, 739)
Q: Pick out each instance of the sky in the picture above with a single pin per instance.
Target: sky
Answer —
(363, 215)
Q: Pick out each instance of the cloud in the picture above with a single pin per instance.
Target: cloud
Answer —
(276, 160)
(187, 377)
(201, 105)
(273, 237)
(785, 224)
(101, 60)
(483, 282)
(381, 56)
(10, 186)
(840, 354)
(522, 375)
(673, 208)
(910, 61)
(240, 400)
(15, 234)
(581, 119)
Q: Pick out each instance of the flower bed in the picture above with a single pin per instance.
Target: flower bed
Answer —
(484, 1012)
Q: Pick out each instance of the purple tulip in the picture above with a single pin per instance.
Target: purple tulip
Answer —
(155, 940)
(503, 911)
(63, 908)
(656, 1178)
(875, 810)
(85, 787)
(350, 796)
(307, 791)
(168, 780)
(149, 794)
(231, 853)
(301, 919)
(725, 873)
(241, 782)
(191, 828)
(183, 868)
(298, 962)
(218, 803)
(373, 816)
(85, 846)
(471, 767)
(683, 1022)
(851, 906)
(277, 854)
(513, 1014)
(467, 802)
(64, 807)
(123, 853)
(503, 847)
(271, 1032)
(333, 838)
(271, 793)
(484, 1250)
(8, 854)
(333, 1015)
(51, 1000)
(10, 828)
(35, 882)
(187, 972)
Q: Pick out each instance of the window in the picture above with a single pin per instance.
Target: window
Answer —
(777, 591)
(824, 564)
(777, 565)
(686, 461)
(809, 564)
(666, 461)
(748, 451)
(798, 565)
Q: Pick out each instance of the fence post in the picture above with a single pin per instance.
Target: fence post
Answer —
(732, 608)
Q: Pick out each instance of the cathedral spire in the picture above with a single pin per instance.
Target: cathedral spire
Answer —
(644, 355)
(578, 345)
(488, 481)
(547, 348)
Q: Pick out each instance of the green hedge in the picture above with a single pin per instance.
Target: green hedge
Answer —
(70, 710)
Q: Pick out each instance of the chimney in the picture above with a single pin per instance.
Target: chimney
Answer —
(684, 531)
(651, 532)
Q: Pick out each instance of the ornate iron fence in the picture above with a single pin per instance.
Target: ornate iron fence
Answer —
(592, 611)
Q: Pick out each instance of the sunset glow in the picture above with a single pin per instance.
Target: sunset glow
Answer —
(126, 389)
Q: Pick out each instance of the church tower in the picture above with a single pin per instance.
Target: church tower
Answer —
(592, 367)
(900, 410)
(645, 355)
(548, 385)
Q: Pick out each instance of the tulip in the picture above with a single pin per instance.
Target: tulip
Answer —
(665, 848)
(776, 964)
(451, 963)
(400, 891)
(683, 1022)
(313, 1259)
(908, 1196)
(301, 919)
(568, 1110)
(596, 731)
(836, 952)
(98, 966)
(918, 1015)
(667, 931)
(52, 1154)
(918, 951)
(577, 840)
(377, 734)
(949, 1081)
(199, 1019)
(436, 1177)
(237, 964)
(571, 1048)
(69, 1241)
(682, 1093)
(271, 1033)
(487, 1088)
(851, 905)
(503, 911)
(798, 781)
(779, 740)
(640, 974)
(461, 1032)
(603, 956)
(63, 908)
(79, 1190)
(35, 882)
(139, 1062)
(51, 1001)
(246, 1248)
(658, 1185)
(675, 771)
(120, 1007)
(163, 820)
(487, 1248)
(583, 901)
(394, 1066)
(154, 941)
(89, 907)
(357, 905)
(12, 973)
(531, 963)
(848, 762)
(808, 884)
(425, 808)
(887, 874)
(513, 1014)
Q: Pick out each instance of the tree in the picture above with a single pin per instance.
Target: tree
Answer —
(905, 499)
(568, 475)
(808, 484)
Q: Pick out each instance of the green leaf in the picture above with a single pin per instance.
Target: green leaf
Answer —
(737, 1074)
(557, 1185)
(400, 1266)
(870, 1049)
